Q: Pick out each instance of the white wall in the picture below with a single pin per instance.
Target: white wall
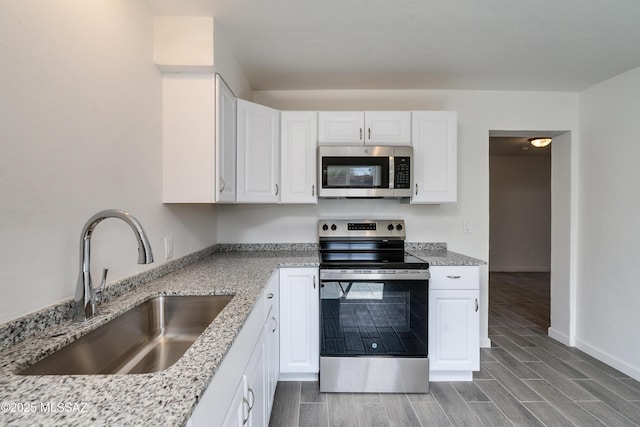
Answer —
(478, 113)
(520, 206)
(609, 236)
(80, 131)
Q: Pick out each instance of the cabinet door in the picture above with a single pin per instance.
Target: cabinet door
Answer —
(435, 160)
(187, 138)
(340, 127)
(239, 410)
(272, 339)
(454, 339)
(387, 127)
(299, 321)
(298, 156)
(258, 153)
(225, 188)
(256, 386)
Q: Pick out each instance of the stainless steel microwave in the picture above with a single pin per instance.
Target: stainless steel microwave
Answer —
(364, 171)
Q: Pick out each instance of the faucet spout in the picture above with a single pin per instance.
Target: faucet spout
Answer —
(85, 299)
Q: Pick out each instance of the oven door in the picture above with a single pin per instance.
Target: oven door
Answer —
(373, 335)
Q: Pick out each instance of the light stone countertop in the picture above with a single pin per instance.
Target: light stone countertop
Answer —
(444, 257)
(165, 398)
(170, 396)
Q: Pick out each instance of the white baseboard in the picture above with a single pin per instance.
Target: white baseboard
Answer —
(485, 343)
(560, 336)
(298, 377)
(603, 356)
(494, 269)
(440, 376)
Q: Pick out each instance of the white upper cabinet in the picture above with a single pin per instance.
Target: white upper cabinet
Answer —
(188, 164)
(198, 139)
(387, 127)
(434, 140)
(369, 128)
(225, 142)
(340, 127)
(298, 156)
(258, 153)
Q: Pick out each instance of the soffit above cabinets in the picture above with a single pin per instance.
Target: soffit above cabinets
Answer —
(424, 44)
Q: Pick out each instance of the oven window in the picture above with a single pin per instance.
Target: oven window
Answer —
(355, 172)
(374, 318)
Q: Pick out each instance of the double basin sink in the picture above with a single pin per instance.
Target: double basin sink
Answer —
(148, 338)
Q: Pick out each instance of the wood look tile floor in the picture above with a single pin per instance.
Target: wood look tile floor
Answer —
(526, 379)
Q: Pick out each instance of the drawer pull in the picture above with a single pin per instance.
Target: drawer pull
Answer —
(269, 295)
(253, 399)
(245, 402)
(454, 277)
(476, 304)
(276, 324)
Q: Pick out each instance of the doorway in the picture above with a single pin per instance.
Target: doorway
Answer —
(520, 226)
(532, 224)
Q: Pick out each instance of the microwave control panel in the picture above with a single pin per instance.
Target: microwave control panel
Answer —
(402, 172)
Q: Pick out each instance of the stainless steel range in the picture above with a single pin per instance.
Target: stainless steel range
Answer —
(373, 309)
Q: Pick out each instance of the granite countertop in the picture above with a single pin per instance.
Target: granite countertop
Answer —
(163, 398)
(444, 257)
(170, 396)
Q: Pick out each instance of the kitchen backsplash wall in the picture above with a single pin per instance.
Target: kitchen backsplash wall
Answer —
(81, 131)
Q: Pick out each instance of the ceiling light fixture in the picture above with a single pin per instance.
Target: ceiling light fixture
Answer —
(540, 142)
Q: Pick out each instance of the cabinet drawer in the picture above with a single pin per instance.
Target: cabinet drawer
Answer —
(454, 277)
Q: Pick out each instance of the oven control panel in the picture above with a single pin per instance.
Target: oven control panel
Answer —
(384, 228)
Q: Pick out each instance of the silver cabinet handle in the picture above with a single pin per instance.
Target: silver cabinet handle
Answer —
(275, 324)
(270, 295)
(360, 134)
(416, 188)
(453, 277)
(277, 189)
(224, 184)
(313, 190)
(253, 399)
(369, 134)
(245, 401)
(314, 281)
(476, 304)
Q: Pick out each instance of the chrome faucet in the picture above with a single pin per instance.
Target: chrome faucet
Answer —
(86, 296)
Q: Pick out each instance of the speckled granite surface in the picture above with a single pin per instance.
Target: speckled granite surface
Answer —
(165, 398)
(444, 257)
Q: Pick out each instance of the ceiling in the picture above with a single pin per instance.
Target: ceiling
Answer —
(537, 45)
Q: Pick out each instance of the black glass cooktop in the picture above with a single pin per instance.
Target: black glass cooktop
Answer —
(367, 254)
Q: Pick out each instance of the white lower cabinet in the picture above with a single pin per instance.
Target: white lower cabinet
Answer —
(249, 369)
(272, 342)
(454, 323)
(256, 394)
(300, 324)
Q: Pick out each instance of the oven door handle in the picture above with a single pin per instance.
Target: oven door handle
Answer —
(350, 275)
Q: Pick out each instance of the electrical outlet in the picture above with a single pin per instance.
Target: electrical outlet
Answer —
(466, 226)
(168, 247)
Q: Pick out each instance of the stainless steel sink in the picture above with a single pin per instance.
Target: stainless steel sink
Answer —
(148, 338)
